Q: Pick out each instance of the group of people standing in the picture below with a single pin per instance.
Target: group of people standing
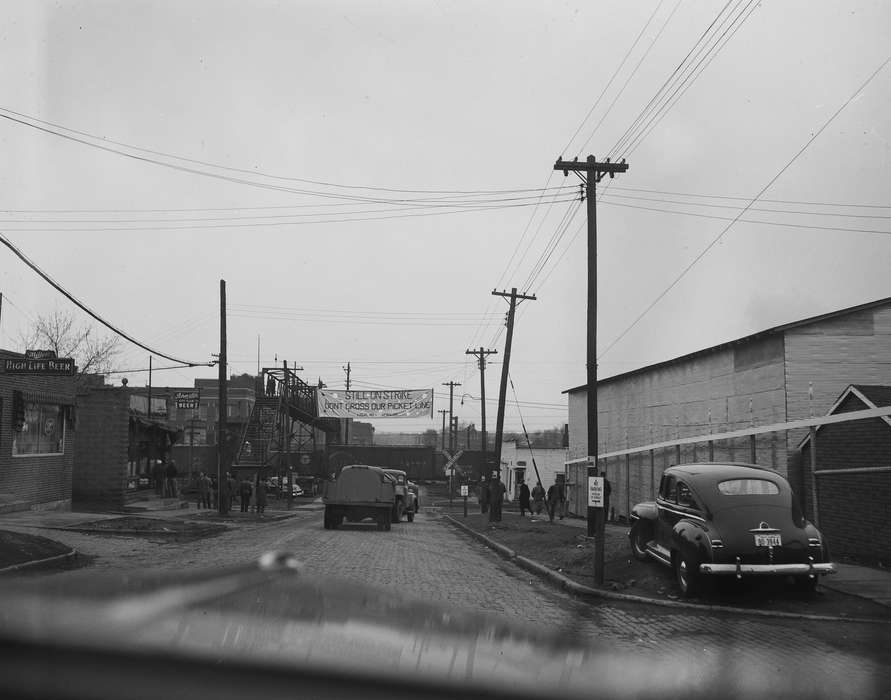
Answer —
(491, 499)
(164, 477)
(246, 489)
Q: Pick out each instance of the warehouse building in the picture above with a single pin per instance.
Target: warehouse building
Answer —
(789, 372)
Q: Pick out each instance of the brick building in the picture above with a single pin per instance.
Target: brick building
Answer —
(853, 476)
(778, 375)
(37, 420)
(116, 446)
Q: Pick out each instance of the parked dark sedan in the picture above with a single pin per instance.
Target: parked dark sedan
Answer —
(728, 520)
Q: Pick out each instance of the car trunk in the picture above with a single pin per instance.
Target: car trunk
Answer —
(735, 523)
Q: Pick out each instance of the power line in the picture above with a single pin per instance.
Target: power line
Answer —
(383, 217)
(631, 75)
(687, 82)
(612, 78)
(770, 183)
(59, 288)
(653, 106)
(746, 199)
(739, 218)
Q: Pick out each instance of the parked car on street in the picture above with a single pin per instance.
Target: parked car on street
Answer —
(280, 487)
(728, 520)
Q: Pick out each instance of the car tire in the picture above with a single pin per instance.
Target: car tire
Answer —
(411, 516)
(327, 518)
(640, 535)
(686, 576)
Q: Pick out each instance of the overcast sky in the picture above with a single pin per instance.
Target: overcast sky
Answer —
(363, 175)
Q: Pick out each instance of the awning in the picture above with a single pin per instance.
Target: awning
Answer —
(48, 397)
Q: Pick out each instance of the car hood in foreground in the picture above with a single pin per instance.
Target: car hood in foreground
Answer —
(272, 631)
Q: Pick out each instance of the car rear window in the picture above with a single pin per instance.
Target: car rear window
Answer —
(748, 487)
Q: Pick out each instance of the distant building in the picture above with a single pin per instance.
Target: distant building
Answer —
(520, 463)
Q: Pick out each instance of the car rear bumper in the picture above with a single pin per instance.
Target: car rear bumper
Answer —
(739, 569)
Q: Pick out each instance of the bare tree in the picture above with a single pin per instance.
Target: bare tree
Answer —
(92, 353)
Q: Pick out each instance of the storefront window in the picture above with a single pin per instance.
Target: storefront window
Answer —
(42, 431)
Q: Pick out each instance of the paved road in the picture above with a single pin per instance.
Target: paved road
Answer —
(430, 559)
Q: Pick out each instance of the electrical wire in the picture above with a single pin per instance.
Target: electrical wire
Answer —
(769, 184)
(739, 218)
(59, 288)
(658, 96)
(685, 85)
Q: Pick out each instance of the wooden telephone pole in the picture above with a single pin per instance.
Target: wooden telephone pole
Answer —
(452, 435)
(505, 367)
(222, 416)
(481, 356)
(591, 172)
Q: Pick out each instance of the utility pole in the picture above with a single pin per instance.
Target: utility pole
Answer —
(443, 412)
(346, 421)
(505, 367)
(481, 356)
(591, 172)
(222, 466)
(451, 386)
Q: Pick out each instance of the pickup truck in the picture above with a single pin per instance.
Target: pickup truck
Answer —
(360, 492)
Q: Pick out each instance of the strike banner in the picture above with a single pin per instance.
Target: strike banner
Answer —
(388, 403)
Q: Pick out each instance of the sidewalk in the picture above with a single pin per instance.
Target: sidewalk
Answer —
(867, 583)
(861, 581)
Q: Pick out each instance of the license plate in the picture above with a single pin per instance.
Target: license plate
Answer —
(768, 541)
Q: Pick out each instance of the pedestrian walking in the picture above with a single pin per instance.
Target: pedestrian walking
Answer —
(538, 498)
(231, 488)
(484, 495)
(261, 495)
(496, 499)
(158, 476)
(225, 501)
(524, 499)
(245, 490)
(204, 486)
(170, 473)
(555, 501)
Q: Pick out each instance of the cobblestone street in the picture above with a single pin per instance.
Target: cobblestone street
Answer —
(429, 559)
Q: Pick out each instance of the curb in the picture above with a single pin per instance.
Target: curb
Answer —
(581, 590)
(39, 562)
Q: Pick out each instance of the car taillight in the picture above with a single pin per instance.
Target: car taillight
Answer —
(717, 544)
(814, 542)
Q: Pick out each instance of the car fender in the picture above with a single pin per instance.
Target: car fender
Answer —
(691, 539)
(645, 511)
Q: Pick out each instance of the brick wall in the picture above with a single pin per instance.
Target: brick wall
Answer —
(34, 482)
(854, 514)
(100, 465)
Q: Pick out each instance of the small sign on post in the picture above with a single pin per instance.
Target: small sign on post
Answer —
(464, 492)
(595, 492)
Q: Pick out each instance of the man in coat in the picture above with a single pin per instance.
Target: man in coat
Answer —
(496, 499)
(538, 498)
(245, 490)
(524, 499)
(484, 495)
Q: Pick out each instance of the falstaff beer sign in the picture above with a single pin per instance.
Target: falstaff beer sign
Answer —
(389, 403)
